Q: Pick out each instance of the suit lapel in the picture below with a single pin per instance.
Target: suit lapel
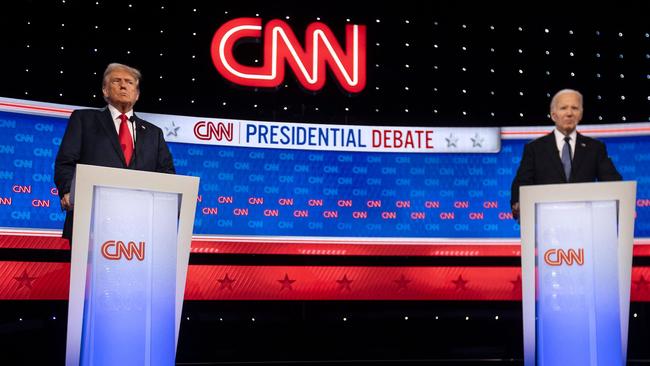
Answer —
(109, 127)
(551, 146)
(141, 134)
(578, 156)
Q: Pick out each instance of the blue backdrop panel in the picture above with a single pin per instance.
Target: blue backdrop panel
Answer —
(251, 191)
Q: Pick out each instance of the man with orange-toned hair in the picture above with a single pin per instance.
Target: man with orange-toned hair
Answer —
(112, 137)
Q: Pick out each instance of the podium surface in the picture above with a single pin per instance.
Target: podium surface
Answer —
(130, 248)
(576, 271)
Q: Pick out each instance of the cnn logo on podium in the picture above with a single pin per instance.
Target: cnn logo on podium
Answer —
(557, 257)
(116, 250)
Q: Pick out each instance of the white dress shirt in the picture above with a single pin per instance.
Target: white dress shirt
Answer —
(559, 140)
(117, 121)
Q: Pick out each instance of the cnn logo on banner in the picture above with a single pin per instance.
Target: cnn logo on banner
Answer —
(557, 257)
(116, 250)
(281, 44)
(206, 130)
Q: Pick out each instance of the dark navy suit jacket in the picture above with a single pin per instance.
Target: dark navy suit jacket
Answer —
(541, 164)
(90, 138)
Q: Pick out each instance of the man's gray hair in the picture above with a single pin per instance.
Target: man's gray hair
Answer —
(564, 91)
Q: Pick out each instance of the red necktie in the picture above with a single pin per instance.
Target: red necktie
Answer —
(126, 141)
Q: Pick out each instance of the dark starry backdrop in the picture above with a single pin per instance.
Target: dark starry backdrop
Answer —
(439, 65)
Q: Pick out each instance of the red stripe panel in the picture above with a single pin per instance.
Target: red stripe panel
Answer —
(34, 281)
(35, 107)
(433, 249)
(33, 242)
(314, 247)
(49, 281)
(640, 290)
(352, 283)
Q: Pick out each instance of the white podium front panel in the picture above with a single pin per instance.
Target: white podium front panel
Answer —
(129, 306)
(577, 300)
(576, 267)
(130, 248)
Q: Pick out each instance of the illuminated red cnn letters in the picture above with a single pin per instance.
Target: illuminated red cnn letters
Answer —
(115, 250)
(280, 45)
(555, 257)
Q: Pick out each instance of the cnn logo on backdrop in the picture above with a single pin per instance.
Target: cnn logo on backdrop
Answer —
(281, 47)
(117, 249)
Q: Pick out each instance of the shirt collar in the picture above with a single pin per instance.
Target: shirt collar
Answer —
(116, 114)
(559, 136)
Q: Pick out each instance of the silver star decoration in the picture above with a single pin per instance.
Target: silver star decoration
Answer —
(477, 141)
(173, 130)
(451, 140)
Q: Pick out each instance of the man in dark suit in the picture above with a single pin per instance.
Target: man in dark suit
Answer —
(112, 137)
(563, 156)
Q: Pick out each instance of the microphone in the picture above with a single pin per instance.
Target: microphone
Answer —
(132, 120)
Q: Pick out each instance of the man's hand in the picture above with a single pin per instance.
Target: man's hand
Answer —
(65, 203)
(515, 210)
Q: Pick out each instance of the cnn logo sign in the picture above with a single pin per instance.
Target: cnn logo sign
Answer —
(116, 250)
(557, 257)
(282, 47)
(207, 130)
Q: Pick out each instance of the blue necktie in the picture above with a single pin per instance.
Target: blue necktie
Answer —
(566, 157)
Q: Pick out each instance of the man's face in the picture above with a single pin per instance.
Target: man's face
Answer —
(121, 88)
(567, 112)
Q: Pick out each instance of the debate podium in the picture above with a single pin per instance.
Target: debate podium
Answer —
(576, 259)
(130, 249)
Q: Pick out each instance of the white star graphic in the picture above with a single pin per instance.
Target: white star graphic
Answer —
(477, 141)
(451, 140)
(173, 130)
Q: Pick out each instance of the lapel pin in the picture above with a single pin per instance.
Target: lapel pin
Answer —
(583, 144)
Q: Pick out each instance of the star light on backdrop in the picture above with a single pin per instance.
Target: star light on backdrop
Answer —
(475, 70)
